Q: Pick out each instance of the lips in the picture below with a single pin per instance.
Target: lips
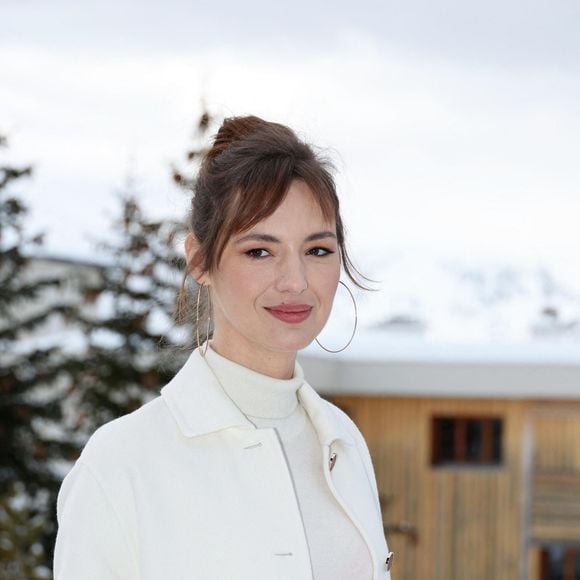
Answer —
(291, 313)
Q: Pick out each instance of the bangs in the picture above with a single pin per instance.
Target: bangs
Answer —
(263, 190)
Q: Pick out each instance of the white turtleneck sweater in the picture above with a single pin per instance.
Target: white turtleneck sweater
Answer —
(337, 550)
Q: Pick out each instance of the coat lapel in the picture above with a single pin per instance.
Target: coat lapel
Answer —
(324, 417)
(200, 406)
(197, 401)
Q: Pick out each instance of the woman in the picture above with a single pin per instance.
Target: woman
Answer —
(239, 470)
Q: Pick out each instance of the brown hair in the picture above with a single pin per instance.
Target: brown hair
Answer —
(242, 180)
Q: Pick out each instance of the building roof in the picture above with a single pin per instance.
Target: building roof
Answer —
(382, 363)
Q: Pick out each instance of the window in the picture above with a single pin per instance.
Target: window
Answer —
(466, 441)
(560, 563)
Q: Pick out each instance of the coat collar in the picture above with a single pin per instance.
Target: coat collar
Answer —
(200, 405)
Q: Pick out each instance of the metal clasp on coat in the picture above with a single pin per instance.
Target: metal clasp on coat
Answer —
(332, 460)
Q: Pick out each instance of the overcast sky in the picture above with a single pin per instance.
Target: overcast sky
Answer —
(455, 125)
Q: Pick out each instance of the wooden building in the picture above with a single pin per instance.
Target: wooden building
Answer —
(476, 450)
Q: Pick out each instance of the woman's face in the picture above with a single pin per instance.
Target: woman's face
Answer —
(275, 284)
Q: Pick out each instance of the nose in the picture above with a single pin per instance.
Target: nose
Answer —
(292, 276)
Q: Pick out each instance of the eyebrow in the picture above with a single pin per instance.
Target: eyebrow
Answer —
(275, 240)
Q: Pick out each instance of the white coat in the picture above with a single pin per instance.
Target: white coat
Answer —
(187, 488)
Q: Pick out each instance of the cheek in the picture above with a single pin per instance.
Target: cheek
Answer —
(328, 286)
(241, 288)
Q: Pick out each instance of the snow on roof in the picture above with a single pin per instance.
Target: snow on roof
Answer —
(382, 363)
(384, 346)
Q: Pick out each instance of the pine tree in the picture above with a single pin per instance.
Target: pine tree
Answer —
(133, 347)
(23, 522)
(185, 178)
(31, 376)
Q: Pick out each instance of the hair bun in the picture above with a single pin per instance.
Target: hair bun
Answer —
(234, 129)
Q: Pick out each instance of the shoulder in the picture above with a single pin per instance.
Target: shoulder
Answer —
(122, 440)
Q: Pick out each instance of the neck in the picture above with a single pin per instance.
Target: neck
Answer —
(279, 365)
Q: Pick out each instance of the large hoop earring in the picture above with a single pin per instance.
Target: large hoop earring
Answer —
(355, 323)
(199, 287)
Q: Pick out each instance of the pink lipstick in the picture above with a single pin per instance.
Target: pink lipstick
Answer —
(292, 313)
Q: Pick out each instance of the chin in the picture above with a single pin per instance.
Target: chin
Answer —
(291, 344)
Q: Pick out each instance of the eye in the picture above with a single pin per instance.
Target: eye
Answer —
(319, 251)
(257, 253)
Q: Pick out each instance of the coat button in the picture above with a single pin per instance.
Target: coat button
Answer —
(389, 560)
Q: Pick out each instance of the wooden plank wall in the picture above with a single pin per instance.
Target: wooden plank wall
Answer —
(556, 508)
(535, 563)
(557, 438)
(556, 482)
(468, 520)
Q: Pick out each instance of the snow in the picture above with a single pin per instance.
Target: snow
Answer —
(455, 297)
(382, 345)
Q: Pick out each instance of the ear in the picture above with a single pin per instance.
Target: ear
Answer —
(193, 257)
